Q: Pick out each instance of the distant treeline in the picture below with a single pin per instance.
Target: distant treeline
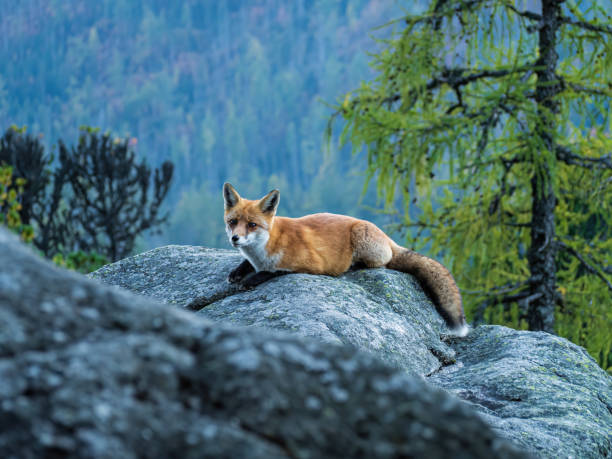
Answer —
(225, 90)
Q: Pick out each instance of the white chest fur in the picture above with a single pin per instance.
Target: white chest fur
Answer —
(257, 255)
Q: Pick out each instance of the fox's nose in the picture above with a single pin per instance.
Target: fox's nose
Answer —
(235, 238)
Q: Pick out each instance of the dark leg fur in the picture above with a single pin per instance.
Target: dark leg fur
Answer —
(260, 277)
(357, 266)
(243, 270)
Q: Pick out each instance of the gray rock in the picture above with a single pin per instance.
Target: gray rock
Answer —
(92, 371)
(179, 275)
(539, 390)
(382, 311)
(543, 391)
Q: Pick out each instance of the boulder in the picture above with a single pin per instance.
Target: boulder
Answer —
(379, 310)
(88, 370)
(538, 390)
(544, 392)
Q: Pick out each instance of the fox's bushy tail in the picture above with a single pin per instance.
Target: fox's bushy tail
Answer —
(438, 283)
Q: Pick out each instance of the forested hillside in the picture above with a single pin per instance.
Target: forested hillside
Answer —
(230, 90)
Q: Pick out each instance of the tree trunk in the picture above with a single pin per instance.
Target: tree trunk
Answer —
(541, 301)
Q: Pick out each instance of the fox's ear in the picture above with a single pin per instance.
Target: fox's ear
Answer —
(230, 196)
(269, 202)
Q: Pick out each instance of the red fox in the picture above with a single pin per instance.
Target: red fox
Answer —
(326, 244)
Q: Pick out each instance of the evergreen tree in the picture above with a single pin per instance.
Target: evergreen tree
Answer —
(495, 121)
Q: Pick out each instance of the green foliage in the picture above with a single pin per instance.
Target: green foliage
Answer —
(10, 205)
(24, 152)
(9, 216)
(80, 261)
(454, 124)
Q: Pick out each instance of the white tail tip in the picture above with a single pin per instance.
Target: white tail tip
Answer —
(461, 330)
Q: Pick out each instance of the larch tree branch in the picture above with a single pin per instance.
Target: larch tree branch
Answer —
(584, 262)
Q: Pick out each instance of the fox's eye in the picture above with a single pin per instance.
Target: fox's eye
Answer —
(233, 221)
(252, 225)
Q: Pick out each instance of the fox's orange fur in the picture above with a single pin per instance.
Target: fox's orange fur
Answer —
(327, 244)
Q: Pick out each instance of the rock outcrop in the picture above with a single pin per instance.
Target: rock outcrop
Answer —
(93, 371)
(378, 310)
(538, 390)
(542, 391)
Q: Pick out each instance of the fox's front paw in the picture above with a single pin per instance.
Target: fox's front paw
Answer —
(249, 282)
(240, 272)
(235, 276)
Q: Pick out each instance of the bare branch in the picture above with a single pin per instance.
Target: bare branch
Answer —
(587, 25)
(420, 224)
(506, 288)
(586, 89)
(586, 264)
(459, 103)
(593, 91)
(564, 19)
(440, 13)
(523, 298)
(525, 14)
(524, 302)
(455, 78)
(569, 157)
(524, 295)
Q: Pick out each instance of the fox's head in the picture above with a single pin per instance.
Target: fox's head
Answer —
(248, 223)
